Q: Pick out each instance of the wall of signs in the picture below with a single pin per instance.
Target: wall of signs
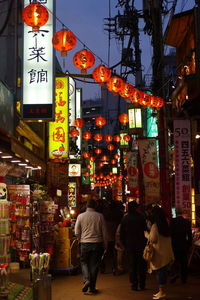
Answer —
(182, 143)
(59, 129)
(38, 69)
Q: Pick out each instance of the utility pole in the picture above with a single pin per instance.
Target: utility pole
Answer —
(158, 56)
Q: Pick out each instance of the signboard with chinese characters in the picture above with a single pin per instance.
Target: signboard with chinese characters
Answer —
(74, 170)
(58, 130)
(152, 120)
(182, 136)
(72, 194)
(151, 175)
(132, 170)
(38, 69)
(72, 101)
(79, 114)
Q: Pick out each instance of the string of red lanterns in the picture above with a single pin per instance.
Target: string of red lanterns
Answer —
(36, 16)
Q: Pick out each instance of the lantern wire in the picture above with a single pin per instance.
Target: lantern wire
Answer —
(84, 46)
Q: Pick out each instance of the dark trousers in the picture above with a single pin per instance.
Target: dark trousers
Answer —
(181, 264)
(137, 268)
(90, 259)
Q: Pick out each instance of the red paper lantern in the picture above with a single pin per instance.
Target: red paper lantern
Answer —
(87, 135)
(116, 156)
(104, 158)
(145, 100)
(126, 138)
(110, 147)
(159, 103)
(86, 154)
(98, 151)
(137, 96)
(123, 118)
(87, 174)
(127, 91)
(98, 137)
(63, 41)
(78, 123)
(117, 138)
(113, 161)
(83, 60)
(108, 138)
(88, 166)
(74, 132)
(101, 74)
(100, 121)
(92, 158)
(101, 165)
(115, 84)
(35, 15)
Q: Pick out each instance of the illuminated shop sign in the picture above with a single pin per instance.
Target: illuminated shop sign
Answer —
(72, 194)
(72, 101)
(38, 69)
(59, 130)
(74, 170)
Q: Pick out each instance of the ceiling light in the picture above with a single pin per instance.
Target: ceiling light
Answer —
(26, 160)
(6, 156)
(28, 167)
(39, 167)
(22, 164)
(15, 161)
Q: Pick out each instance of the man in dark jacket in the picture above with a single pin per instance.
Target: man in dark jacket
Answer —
(132, 238)
(181, 234)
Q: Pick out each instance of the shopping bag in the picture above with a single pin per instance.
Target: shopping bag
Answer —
(148, 252)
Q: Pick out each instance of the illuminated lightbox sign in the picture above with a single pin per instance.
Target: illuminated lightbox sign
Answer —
(38, 69)
(74, 170)
(72, 194)
(135, 118)
(59, 129)
(72, 101)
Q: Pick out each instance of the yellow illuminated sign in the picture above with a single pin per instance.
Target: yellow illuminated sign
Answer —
(59, 129)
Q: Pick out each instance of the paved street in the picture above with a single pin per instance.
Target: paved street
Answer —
(118, 288)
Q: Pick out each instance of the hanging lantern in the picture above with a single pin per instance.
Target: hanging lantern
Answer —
(100, 121)
(116, 156)
(35, 15)
(145, 100)
(113, 161)
(86, 154)
(78, 123)
(83, 60)
(126, 138)
(101, 165)
(101, 74)
(87, 135)
(104, 158)
(92, 158)
(127, 91)
(137, 96)
(98, 137)
(63, 41)
(98, 151)
(159, 102)
(74, 132)
(117, 138)
(115, 84)
(88, 166)
(87, 174)
(108, 138)
(101, 176)
(123, 119)
(110, 147)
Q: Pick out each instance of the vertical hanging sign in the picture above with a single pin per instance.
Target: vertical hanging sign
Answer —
(132, 170)
(151, 174)
(38, 69)
(59, 130)
(182, 145)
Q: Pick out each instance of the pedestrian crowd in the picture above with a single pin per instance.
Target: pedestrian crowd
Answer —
(142, 237)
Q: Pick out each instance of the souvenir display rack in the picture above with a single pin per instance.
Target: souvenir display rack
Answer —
(19, 196)
(4, 226)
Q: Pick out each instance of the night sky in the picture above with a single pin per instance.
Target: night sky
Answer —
(86, 20)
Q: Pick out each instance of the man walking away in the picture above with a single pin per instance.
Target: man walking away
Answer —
(90, 230)
(132, 238)
(181, 233)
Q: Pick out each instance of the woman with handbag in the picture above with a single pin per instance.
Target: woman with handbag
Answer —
(159, 237)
